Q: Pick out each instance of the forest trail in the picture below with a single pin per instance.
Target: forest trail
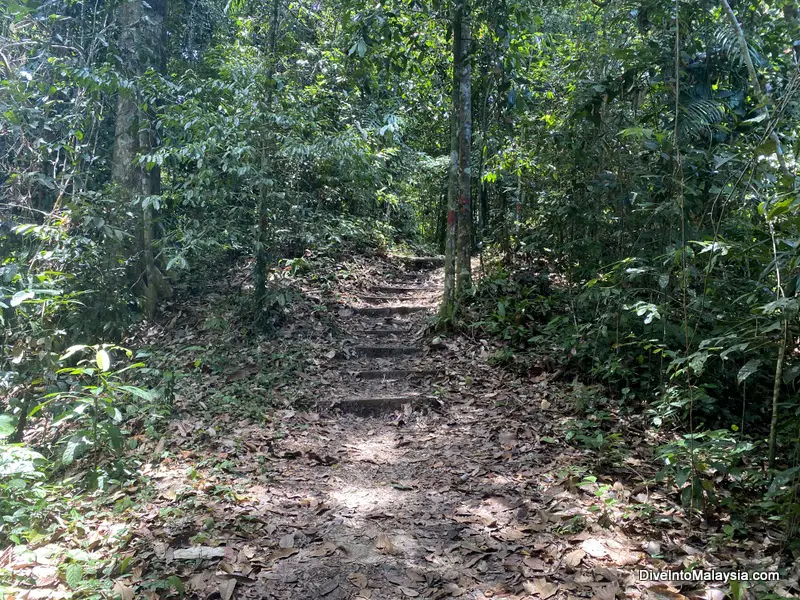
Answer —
(349, 454)
(384, 364)
(417, 470)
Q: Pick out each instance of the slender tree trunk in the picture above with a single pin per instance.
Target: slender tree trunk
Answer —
(441, 221)
(483, 193)
(142, 43)
(448, 307)
(764, 101)
(464, 218)
(263, 242)
(776, 394)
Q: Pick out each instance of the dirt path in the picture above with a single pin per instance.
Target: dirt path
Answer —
(419, 470)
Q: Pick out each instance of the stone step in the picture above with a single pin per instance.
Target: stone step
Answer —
(388, 311)
(384, 351)
(396, 374)
(400, 289)
(378, 299)
(420, 262)
(384, 332)
(376, 405)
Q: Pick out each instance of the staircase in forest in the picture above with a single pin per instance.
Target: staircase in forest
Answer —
(385, 365)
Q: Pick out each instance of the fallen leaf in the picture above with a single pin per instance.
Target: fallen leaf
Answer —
(325, 549)
(122, 590)
(544, 588)
(327, 588)
(283, 553)
(407, 591)
(226, 588)
(159, 448)
(508, 439)
(384, 544)
(453, 590)
(653, 548)
(553, 491)
(664, 592)
(574, 558)
(45, 576)
(287, 541)
(160, 550)
(605, 592)
(594, 548)
(534, 563)
(690, 550)
(623, 557)
(396, 578)
(359, 580)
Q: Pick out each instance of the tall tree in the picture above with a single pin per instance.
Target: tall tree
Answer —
(458, 246)
(464, 243)
(263, 233)
(141, 42)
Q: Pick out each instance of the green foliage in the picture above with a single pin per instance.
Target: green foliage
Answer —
(702, 464)
(668, 224)
(517, 304)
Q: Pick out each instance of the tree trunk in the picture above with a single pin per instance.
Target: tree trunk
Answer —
(441, 221)
(483, 192)
(464, 218)
(447, 309)
(141, 41)
(776, 394)
(263, 243)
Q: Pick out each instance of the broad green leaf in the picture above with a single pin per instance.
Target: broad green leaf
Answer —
(103, 360)
(73, 350)
(21, 297)
(72, 448)
(748, 369)
(137, 391)
(74, 575)
(7, 425)
(175, 583)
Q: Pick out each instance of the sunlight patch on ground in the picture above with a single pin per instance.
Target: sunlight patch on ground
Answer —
(368, 499)
(378, 449)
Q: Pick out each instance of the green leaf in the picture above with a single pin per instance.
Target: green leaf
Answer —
(115, 438)
(757, 119)
(748, 369)
(138, 392)
(72, 350)
(7, 425)
(681, 476)
(103, 360)
(20, 297)
(73, 446)
(74, 575)
(176, 584)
